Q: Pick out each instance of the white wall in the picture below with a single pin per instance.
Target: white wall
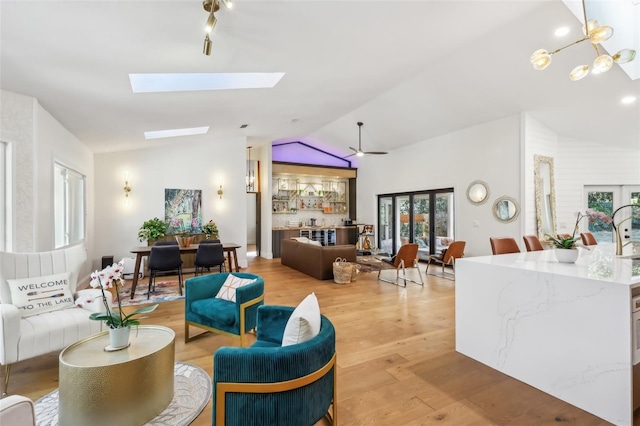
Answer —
(489, 152)
(187, 165)
(17, 128)
(37, 140)
(55, 143)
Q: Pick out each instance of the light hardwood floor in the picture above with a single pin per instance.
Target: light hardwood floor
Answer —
(396, 359)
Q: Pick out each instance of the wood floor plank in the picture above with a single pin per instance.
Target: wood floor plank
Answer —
(397, 363)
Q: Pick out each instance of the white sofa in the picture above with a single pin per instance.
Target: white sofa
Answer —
(25, 338)
(17, 410)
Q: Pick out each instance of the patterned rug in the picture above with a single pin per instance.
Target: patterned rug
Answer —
(165, 291)
(192, 392)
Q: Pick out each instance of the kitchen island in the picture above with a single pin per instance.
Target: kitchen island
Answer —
(565, 329)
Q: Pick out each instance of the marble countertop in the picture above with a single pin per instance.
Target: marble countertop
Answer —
(598, 263)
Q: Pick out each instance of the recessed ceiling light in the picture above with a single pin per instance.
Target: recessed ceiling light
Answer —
(186, 82)
(562, 31)
(156, 134)
(628, 99)
(244, 126)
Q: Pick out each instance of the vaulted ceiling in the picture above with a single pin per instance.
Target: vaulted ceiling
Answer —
(410, 70)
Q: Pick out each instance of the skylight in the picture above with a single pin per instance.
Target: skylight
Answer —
(156, 134)
(186, 82)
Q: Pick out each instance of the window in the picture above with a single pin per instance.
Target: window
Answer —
(69, 205)
(424, 218)
(607, 199)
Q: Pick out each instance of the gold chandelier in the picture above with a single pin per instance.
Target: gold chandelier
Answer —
(596, 34)
(212, 6)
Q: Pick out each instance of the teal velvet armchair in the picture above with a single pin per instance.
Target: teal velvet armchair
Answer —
(268, 384)
(203, 310)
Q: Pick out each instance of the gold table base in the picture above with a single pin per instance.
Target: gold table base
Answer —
(126, 387)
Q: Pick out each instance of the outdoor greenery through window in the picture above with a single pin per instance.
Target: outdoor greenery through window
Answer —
(607, 199)
(69, 206)
(424, 218)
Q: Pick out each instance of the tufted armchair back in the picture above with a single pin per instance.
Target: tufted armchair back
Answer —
(28, 265)
(274, 385)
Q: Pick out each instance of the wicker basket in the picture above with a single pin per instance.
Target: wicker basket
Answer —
(342, 271)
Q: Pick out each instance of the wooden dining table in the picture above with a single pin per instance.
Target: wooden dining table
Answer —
(229, 248)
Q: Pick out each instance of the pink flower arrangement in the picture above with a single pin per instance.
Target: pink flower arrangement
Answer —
(594, 215)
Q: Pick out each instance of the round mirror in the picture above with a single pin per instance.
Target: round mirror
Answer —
(478, 192)
(506, 209)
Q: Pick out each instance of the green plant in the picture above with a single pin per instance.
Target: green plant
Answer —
(210, 228)
(111, 277)
(152, 229)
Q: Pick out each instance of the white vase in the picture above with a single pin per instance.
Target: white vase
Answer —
(119, 337)
(566, 255)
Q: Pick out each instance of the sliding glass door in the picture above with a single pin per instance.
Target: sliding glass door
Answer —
(423, 217)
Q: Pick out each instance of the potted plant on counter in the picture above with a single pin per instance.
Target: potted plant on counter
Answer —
(565, 244)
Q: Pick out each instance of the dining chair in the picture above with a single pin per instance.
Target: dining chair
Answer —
(209, 242)
(504, 245)
(532, 243)
(164, 258)
(209, 255)
(448, 257)
(407, 257)
(588, 239)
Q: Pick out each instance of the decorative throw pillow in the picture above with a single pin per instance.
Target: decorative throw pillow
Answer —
(301, 239)
(41, 294)
(304, 322)
(228, 289)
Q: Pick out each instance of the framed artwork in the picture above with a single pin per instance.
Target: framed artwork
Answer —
(183, 210)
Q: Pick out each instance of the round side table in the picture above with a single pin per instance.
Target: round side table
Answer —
(125, 387)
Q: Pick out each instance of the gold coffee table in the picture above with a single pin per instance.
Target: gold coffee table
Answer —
(126, 387)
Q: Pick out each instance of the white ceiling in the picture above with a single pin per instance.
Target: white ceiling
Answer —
(410, 70)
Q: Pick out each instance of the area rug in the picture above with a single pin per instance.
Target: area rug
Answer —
(192, 392)
(165, 291)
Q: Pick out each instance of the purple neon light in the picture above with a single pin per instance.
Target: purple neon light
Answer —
(302, 154)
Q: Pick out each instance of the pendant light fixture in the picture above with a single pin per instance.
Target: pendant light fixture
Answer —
(212, 6)
(596, 34)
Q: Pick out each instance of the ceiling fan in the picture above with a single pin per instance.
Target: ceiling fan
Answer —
(359, 152)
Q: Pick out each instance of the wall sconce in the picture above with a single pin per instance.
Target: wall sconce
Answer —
(220, 192)
(127, 189)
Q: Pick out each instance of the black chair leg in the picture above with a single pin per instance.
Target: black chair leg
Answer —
(152, 276)
(180, 279)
